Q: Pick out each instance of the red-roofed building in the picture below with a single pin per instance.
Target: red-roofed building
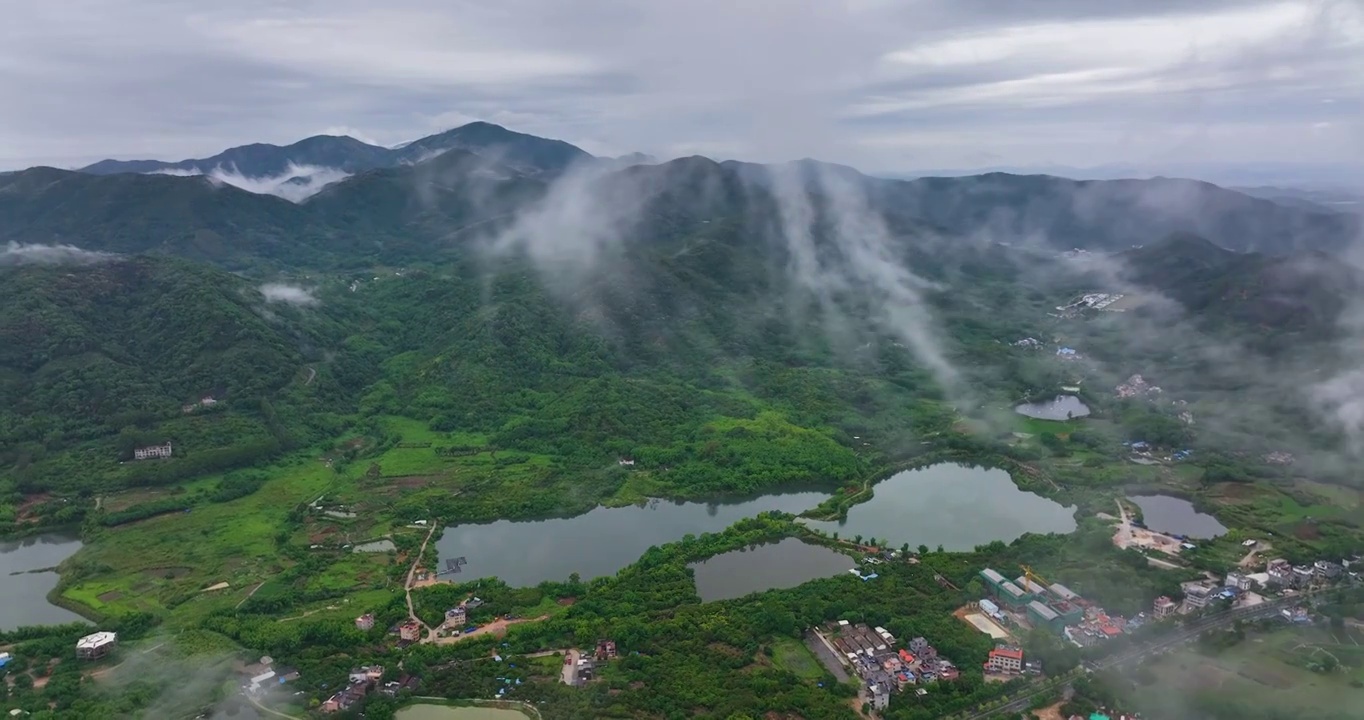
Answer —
(1005, 660)
(907, 658)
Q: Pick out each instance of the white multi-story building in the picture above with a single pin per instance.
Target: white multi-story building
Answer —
(152, 451)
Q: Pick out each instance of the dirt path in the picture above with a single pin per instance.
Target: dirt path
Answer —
(1250, 557)
(312, 373)
(310, 612)
(248, 595)
(407, 586)
(264, 709)
(105, 671)
(496, 627)
(1124, 536)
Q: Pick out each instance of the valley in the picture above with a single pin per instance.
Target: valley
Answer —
(589, 388)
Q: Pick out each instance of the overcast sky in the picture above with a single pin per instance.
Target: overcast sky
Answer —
(882, 84)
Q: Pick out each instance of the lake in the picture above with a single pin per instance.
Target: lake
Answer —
(956, 506)
(447, 712)
(1175, 516)
(23, 597)
(596, 543)
(783, 564)
(1061, 407)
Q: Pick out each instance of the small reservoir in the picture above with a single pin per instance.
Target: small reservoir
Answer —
(1175, 516)
(783, 564)
(596, 543)
(23, 593)
(955, 506)
(1061, 407)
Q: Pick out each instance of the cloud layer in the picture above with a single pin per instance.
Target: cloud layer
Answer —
(288, 294)
(879, 84)
(26, 254)
(296, 184)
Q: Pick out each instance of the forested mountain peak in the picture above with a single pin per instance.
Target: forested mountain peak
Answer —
(348, 155)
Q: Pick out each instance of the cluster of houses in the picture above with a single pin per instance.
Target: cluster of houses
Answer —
(871, 654)
(263, 676)
(1242, 588)
(362, 681)
(1136, 386)
(586, 668)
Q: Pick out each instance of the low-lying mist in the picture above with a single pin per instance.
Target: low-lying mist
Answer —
(295, 184)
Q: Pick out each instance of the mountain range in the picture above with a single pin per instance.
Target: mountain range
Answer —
(525, 153)
(570, 305)
(394, 204)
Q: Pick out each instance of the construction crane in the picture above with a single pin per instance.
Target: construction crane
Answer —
(1032, 576)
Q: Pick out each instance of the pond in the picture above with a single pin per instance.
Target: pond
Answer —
(448, 712)
(956, 506)
(596, 543)
(783, 564)
(1061, 407)
(23, 596)
(1175, 516)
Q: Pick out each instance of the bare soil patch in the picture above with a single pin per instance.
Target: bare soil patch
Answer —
(1307, 531)
(110, 596)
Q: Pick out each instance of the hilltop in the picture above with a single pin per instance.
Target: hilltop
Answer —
(527, 153)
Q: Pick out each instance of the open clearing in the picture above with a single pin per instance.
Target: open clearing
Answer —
(792, 655)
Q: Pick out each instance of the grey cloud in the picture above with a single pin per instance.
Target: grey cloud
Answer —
(762, 80)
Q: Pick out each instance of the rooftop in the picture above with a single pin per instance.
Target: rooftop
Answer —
(98, 639)
(1046, 612)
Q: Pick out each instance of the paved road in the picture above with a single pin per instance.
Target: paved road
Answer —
(826, 655)
(570, 668)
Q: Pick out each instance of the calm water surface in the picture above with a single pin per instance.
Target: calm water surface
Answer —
(23, 597)
(597, 543)
(1175, 516)
(956, 506)
(1062, 407)
(783, 564)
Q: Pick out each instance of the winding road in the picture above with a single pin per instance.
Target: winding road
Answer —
(411, 573)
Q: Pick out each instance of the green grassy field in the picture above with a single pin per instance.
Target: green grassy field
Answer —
(792, 656)
(164, 562)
